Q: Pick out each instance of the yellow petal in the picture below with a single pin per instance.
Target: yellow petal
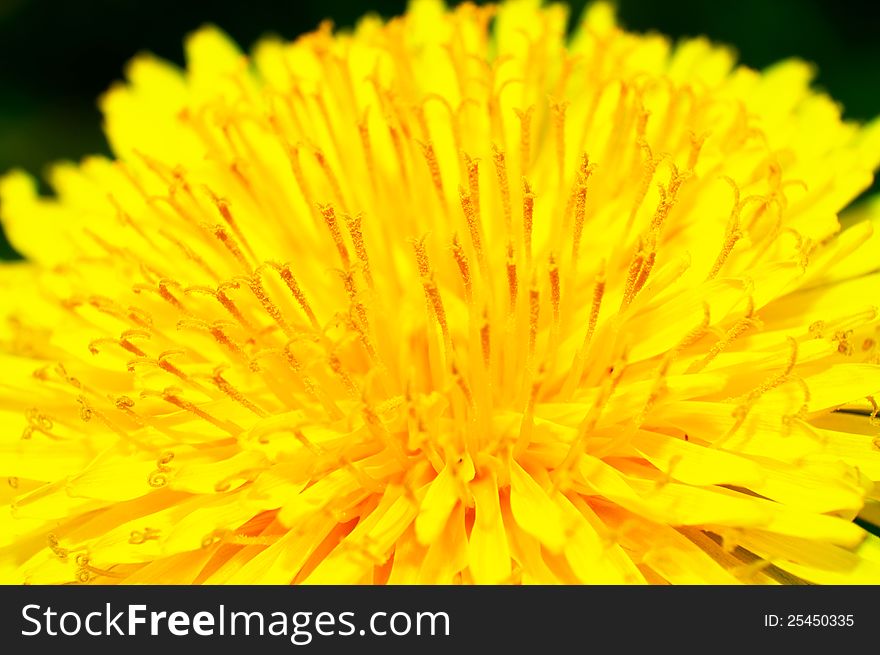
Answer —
(695, 464)
(436, 506)
(534, 511)
(820, 563)
(447, 556)
(488, 552)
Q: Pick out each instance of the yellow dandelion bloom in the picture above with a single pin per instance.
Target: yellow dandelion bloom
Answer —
(451, 298)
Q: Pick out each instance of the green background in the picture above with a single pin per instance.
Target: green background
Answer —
(56, 57)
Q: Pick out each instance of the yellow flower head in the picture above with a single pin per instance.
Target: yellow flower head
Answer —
(452, 298)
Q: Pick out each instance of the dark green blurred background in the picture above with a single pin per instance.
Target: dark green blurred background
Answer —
(57, 56)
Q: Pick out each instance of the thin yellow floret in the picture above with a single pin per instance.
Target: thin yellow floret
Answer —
(451, 298)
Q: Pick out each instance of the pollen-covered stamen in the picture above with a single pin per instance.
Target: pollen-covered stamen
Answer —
(463, 268)
(553, 274)
(360, 321)
(750, 320)
(225, 301)
(696, 333)
(55, 546)
(88, 412)
(534, 314)
(843, 340)
(475, 230)
(646, 253)
(527, 218)
(216, 330)
(290, 280)
(635, 269)
(122, 342)
(126, 337)
(74, 382)
(227, 388)
(645, 270)
(360, 250)
(159, 476)
(804, 246)
(473, 181)
(171, 395)
(163, 363)
(503, 186)
(123, 403)
(432, 293)
(138, 537)
(142, 319)
(733, 231)
(329, 215)
(313, 391)
(255, 284)
(434, 169)
(580, 208)
(87, 572)
(775, 380)
(512, 283)
(577, 369)
(223, 207)
(741, 412)
(528, 374)
(161, 289)
(337, 367)
(232, 246)
(39, 422)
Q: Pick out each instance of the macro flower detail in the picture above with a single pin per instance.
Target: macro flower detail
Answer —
(451, 298)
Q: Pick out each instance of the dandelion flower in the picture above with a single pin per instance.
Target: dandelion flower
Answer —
(451, 298)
